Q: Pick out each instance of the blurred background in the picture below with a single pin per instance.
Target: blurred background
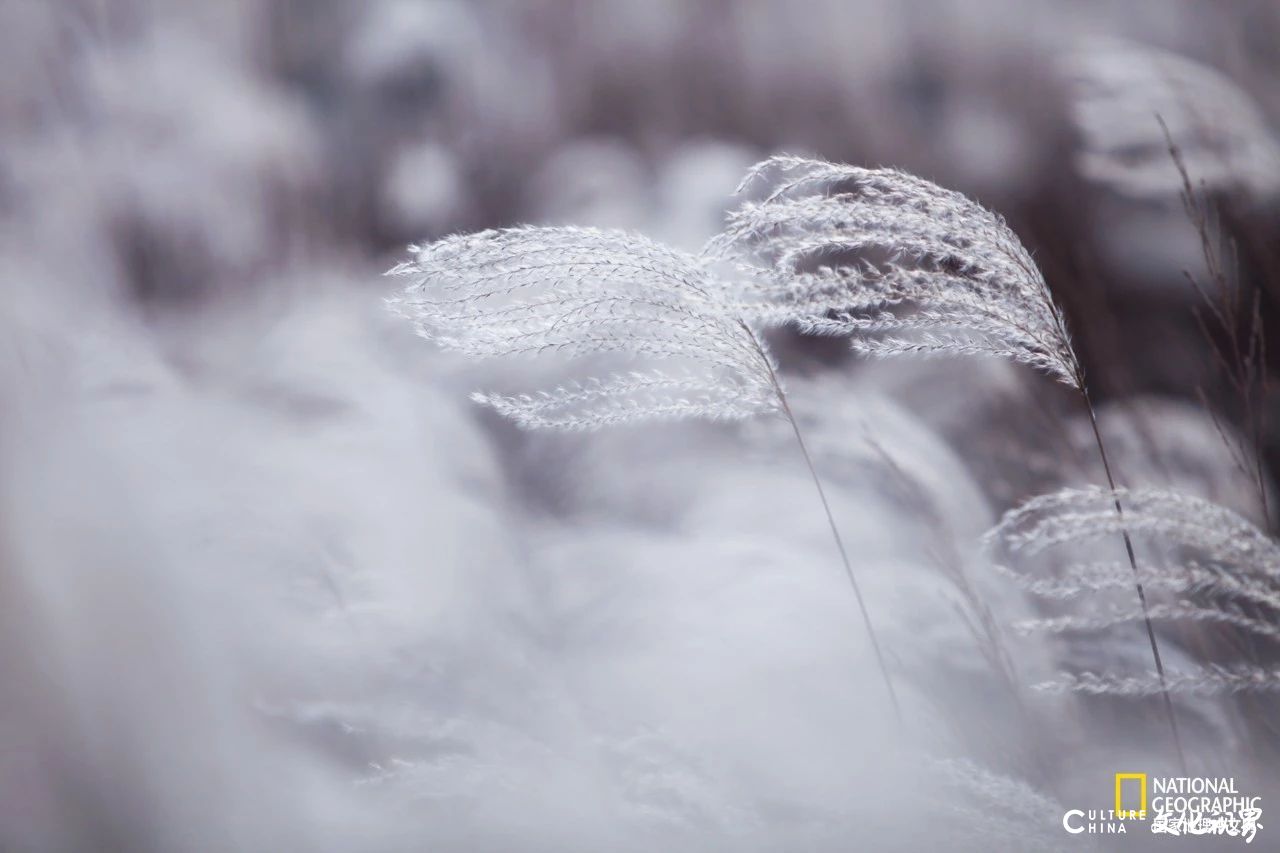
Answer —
(268, 581)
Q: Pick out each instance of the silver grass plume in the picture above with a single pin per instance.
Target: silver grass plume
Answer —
(1210, 680)
(1119, 87)
(579, 292)
(899, 264)
(1227, 572)
(905, 267)
(1075, 515)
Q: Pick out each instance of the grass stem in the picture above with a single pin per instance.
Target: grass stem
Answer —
(1137, 581)
(835, 531)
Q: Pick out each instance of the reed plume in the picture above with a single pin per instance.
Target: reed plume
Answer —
(903, 266)
(584, 292)
(1224, 571)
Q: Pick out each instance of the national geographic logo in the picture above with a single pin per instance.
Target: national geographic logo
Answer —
(1180, 805)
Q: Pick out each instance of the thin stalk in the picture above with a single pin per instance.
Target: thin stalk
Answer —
(835, 531)
(1137, 582)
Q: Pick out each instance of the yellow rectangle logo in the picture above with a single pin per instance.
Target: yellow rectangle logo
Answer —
(1141, 811)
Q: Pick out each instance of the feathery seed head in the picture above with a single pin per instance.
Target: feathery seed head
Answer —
(1220, 570)
(581, 292)
(897, 263)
